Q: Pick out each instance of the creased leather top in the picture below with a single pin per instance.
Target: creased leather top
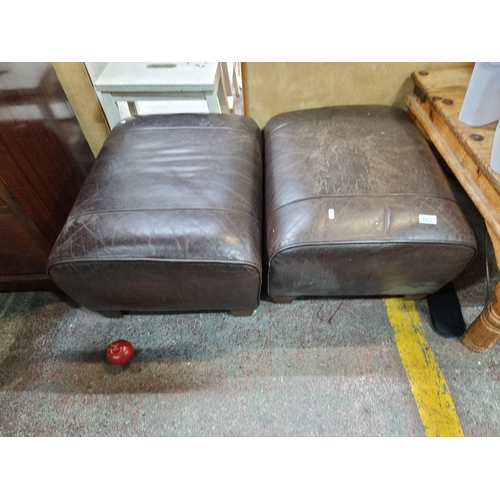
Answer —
(370, 164)
(171, 187)
(348, 150)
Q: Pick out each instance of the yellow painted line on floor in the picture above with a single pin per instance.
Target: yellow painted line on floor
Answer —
(428, 384)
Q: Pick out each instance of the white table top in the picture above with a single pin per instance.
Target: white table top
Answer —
(158, 77)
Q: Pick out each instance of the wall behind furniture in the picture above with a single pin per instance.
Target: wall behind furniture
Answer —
(273, 88)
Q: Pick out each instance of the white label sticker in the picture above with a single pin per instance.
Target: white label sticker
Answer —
(331, 213)
(427, 219)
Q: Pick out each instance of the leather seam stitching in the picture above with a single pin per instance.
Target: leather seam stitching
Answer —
(70, 219)
(360, 196)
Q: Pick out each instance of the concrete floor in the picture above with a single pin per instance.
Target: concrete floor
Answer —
(326, 367)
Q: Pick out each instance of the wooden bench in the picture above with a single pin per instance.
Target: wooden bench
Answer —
(435, 105)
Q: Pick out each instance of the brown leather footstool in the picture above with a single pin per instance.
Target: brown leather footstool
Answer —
(169, 218)
(357, 205)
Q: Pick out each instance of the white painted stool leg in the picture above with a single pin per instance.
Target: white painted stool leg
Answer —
(213, 102)
(111, 109)
(222, 97)
(226, 76)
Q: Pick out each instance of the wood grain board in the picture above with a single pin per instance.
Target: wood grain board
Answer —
(445, 90)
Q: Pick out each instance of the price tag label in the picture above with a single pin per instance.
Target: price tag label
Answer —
(427, 219)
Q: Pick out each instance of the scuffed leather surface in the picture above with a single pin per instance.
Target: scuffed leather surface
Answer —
(374, 168)
(169, 218)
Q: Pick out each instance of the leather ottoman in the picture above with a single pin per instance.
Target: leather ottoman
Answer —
(169, 218)
(357, 205)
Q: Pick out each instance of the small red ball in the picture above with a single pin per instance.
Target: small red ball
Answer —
(120, 352)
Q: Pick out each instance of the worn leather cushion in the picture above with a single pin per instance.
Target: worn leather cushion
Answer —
(352, 194)
(168, 219)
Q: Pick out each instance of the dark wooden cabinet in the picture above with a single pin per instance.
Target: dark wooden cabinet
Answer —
(44, 159)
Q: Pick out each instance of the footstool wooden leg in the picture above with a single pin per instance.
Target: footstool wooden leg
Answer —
(283, 300)
(111, 314)
(484, 332)
(418, 296)
(243, 312)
